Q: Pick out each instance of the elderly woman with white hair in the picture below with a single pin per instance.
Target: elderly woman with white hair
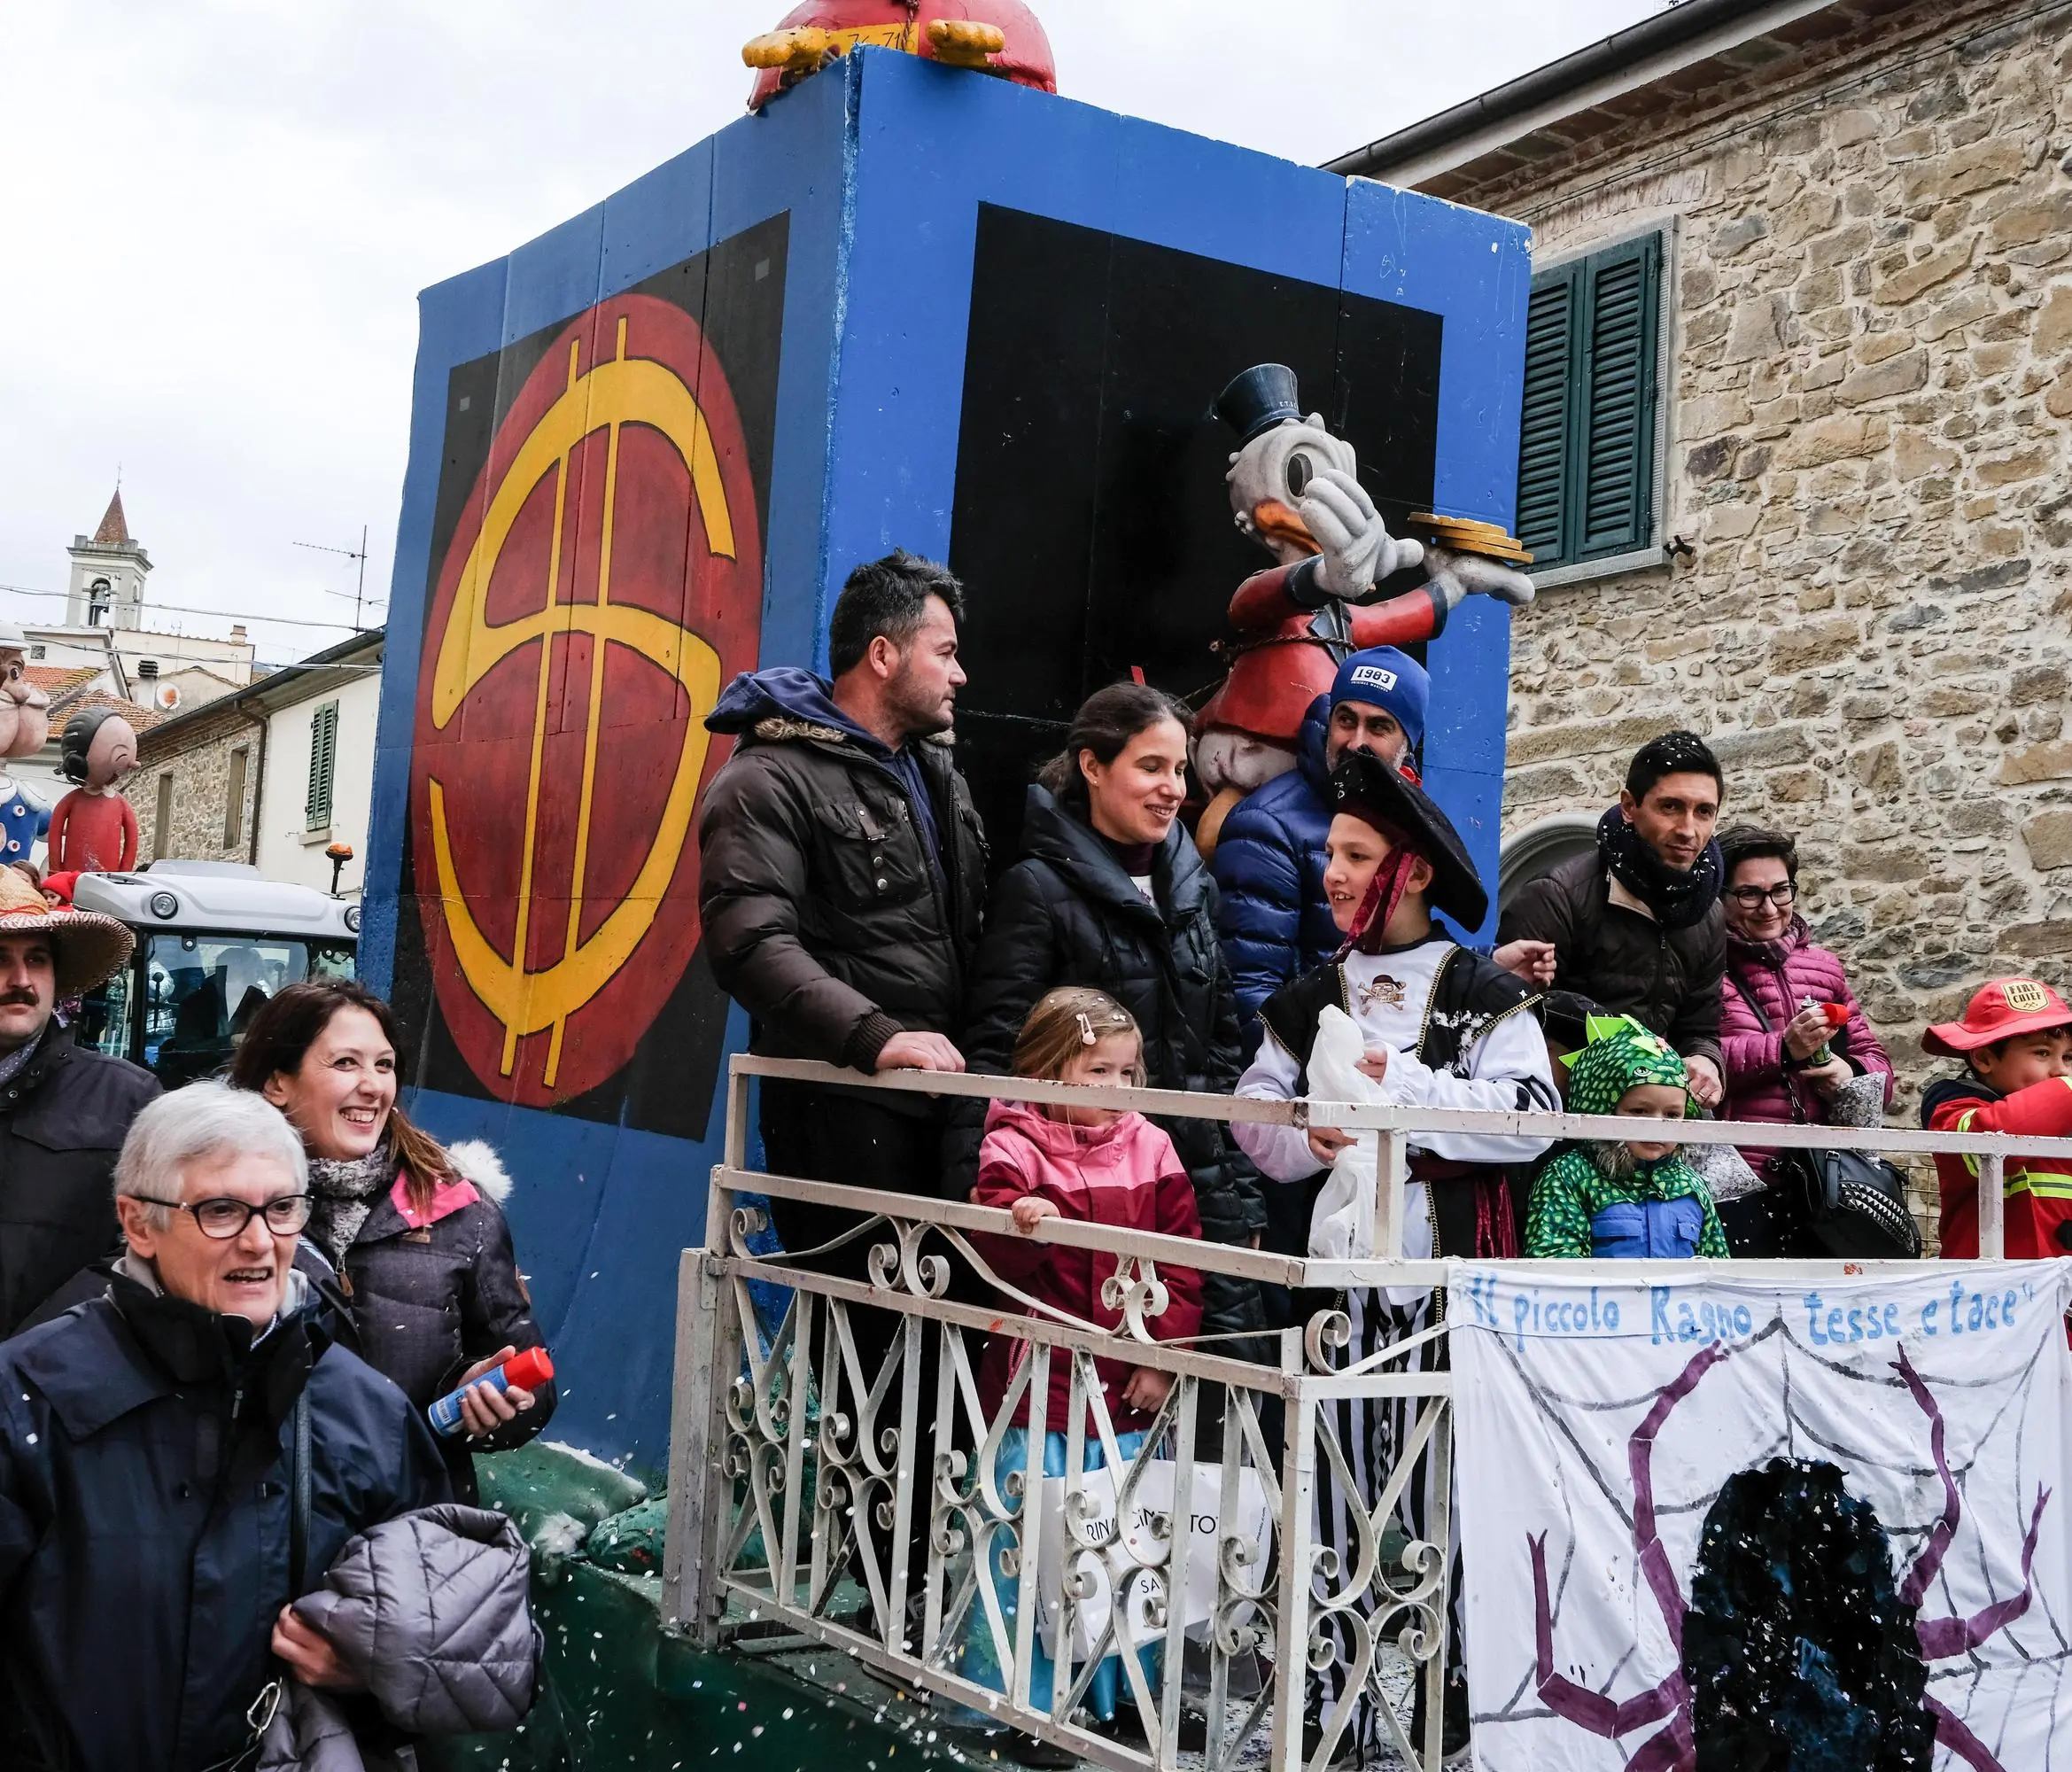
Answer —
(182, 1457)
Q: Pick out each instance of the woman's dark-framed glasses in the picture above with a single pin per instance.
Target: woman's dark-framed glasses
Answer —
(1749, 896)
(286, 1215)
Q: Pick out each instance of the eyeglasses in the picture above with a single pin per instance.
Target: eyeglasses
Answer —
(224, 1219)
(1749, 896)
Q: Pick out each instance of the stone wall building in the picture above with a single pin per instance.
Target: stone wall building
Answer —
(273, 775)
(197, 785)
(1845, 552)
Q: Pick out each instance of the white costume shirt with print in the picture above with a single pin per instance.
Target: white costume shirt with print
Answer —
(1506, 1069)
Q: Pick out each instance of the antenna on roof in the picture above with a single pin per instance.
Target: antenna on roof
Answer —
(359, 589)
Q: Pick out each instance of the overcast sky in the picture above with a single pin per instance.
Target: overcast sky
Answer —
(215, 217)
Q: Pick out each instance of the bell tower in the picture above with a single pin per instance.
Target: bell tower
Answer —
(108, 571)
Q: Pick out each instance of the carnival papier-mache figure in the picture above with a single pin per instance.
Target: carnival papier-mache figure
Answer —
(93, 829)
(24, 723)
(993, 36)
(1295, 490)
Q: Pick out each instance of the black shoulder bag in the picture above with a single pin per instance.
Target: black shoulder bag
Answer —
(1855, 1201)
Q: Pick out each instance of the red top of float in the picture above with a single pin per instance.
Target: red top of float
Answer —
(1024, 57)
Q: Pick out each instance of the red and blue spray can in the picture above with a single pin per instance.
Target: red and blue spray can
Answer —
(527, 1371)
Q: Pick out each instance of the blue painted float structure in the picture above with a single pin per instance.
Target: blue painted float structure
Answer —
(962, 317)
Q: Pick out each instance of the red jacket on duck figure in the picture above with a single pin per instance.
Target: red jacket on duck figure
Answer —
(1295, 489)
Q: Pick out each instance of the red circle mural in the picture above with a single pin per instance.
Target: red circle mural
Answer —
(604, 582)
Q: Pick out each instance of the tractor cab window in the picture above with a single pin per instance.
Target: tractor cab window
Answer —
(200, 992)
(104, 1020)
(181, 1004)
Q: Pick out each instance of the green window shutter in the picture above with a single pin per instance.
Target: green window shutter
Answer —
(1586, 435)
(1614, 504)
(323, 759)
(1551, 338)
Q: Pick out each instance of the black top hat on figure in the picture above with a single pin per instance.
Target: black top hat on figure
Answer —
(1258, 400)
(1369, 790)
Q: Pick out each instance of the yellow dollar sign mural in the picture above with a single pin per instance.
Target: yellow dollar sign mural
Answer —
(618, 391)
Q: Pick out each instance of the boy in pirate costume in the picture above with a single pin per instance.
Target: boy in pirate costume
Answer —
(1444, 1028)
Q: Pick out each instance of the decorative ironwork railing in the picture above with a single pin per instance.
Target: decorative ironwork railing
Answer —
(840, 1473)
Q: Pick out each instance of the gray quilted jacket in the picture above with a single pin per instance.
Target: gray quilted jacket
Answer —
(430, 1608)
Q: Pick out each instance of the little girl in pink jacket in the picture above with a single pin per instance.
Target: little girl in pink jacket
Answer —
(1107, 1167)
(1098, 1164)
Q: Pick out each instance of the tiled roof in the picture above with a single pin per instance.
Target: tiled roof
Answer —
(57, 679)
(142, 719)
(114, 530)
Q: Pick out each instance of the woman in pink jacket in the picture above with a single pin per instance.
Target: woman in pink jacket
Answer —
(1774, 1028)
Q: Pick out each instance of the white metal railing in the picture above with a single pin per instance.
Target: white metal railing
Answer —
(805, 1453)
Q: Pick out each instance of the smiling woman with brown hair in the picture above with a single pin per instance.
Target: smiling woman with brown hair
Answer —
(415, 1231)
(1110, 892)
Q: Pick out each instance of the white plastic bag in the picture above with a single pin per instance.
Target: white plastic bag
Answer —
(1121, 1552)
(1197, 1513)
(1341, 1227)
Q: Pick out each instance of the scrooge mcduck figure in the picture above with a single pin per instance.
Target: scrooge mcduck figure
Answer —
(1295, 490)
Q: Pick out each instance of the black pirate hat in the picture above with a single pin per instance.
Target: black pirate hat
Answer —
(1258, 400)
(1367, 788)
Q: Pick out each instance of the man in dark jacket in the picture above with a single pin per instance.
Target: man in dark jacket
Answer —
(1638, 928)
(149, 1538)
(64, 1108)
(842, 879)
(1275, 922)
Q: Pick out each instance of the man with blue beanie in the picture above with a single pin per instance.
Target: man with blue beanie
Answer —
(1274, 920)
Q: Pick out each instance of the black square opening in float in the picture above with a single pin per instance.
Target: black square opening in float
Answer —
(1092, 524)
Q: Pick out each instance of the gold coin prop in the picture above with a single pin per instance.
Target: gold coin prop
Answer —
(1469, 535)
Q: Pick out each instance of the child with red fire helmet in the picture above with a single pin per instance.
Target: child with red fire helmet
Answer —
(2015, 1041)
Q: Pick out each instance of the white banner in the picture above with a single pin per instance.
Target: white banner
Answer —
(1705, 1523)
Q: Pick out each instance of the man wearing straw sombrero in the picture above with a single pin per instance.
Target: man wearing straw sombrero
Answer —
(64, 1108)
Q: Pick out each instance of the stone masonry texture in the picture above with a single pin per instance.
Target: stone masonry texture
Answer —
(1869, 289)
(199, 759)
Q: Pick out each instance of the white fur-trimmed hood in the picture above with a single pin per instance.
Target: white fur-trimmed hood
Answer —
(476, 1161)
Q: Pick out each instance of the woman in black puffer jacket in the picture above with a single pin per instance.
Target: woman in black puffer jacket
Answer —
(413, 1233)
(1110, 892)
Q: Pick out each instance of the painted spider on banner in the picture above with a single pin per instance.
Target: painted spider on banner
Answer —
(1799, 1647)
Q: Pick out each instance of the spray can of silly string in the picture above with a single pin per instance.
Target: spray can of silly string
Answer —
(527, 1371)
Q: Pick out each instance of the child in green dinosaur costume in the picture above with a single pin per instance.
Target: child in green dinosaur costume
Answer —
(1633, 1197)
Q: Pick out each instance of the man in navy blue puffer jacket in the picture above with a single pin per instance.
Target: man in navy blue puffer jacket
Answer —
(1269, 854)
